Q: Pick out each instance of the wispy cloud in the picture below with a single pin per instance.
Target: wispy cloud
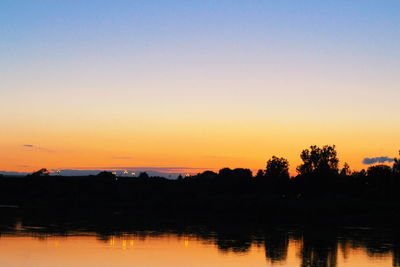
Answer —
(171, 169)
(167, 172)
(34, 147)
(374, 160)
(121, 157)
(23, 166)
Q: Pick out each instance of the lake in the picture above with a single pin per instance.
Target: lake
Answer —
(33, 245)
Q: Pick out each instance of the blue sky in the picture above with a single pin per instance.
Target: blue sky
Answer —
(300, 72)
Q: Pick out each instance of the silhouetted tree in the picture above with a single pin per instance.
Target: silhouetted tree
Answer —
(260, 174)
(396, 165)
(319, 160)
(41, 172)
(225, 172)
(207, 175)
(359, 174)
(229, 175)
(106, 175)
(242, 173)
(277, 168)
(180, 177)
(143, 175)
(379, 181)
(379, 171)
(345, 171)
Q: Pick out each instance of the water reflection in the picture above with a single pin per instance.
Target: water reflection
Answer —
(319, 249)
(287, 246)
(276, 246)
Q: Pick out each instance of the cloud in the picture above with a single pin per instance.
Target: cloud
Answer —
(152, 168)
(34, 147)
(23, 166)
(120, 171)
(168, 172)
(121, 157)
(377, 160)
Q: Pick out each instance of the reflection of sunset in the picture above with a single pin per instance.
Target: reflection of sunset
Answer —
(154, 251)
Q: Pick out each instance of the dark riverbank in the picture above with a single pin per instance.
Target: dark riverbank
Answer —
(200, 199)
(326, 216)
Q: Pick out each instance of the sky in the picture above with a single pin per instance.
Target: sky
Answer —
(196, 84)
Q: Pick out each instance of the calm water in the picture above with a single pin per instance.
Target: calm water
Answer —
(38, 246)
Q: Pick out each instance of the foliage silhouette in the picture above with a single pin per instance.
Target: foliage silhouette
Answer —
(345, 171)
(143, 175)
(106, 174)
(319, 161)
(41, 172)
(317, 193)
(396, 165)
(277, 168)
(379, 171)
(260, 174)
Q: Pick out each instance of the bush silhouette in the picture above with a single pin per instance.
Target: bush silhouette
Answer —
(41, 172)
(143, 175)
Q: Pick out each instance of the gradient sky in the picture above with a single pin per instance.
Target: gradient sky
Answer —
(201, 84)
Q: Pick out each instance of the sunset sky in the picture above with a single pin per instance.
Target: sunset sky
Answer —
(196, 84)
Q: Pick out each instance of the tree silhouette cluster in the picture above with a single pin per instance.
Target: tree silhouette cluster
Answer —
(319, 161)
(320, 188)
(318, 175)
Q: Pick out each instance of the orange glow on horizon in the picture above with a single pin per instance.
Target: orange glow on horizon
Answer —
(185, 144)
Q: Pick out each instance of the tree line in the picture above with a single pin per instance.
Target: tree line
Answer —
(317, 162)
(319, 189)
(318, 175)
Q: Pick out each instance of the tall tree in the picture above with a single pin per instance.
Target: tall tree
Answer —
(277, 168)
(319, 160)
